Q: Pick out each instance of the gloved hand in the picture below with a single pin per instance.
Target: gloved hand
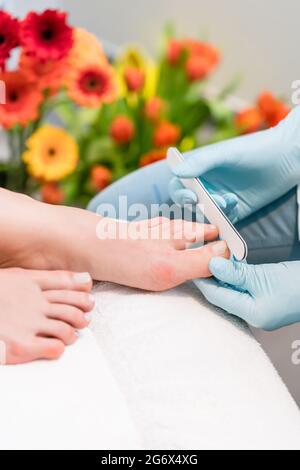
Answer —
(265, 296)
(257, 168)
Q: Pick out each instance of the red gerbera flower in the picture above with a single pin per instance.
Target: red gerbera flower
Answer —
(9, 36)
(23, 99)
(90, 85)
(47, 36)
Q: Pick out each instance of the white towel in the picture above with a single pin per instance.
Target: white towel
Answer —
(73, 403)
(194, 377)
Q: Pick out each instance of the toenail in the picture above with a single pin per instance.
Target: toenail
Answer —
(219, 248)
(91, 299)
(82, 278)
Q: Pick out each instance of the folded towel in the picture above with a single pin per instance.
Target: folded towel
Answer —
(193, 377)
(73, 403)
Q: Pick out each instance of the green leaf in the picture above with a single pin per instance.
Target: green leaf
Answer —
(99, 151)
(231, 87)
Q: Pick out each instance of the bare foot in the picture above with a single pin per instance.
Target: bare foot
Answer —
(40, 312)
(40, 236)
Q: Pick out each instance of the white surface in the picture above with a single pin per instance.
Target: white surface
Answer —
(193, 377)
(73, 403)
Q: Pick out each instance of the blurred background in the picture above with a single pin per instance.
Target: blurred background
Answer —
(257, 39)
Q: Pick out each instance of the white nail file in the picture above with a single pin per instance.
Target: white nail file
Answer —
(211, 210)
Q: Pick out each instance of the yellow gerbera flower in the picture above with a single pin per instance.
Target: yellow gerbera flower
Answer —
(52, 154)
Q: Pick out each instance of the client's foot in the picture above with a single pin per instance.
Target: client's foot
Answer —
(40, 312)
(40, 236)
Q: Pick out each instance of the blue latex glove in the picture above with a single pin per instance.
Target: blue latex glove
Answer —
(265, 296)
(182, 196)
(257, 168)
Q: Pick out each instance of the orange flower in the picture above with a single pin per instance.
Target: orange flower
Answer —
(122, 130)
(100, 177)
(197, 68)
(134, 78)
(91, 85)
(281, 111)
(152, 157)
(202, 49)
(166, 134)
(174, 51)
(271, 108)
(265, 103)
(48, 74)
(52, 194)
(23, 99)
(86, 48)
(153, 108)
(249, 120)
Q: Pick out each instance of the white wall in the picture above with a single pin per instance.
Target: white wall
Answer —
(258, 37)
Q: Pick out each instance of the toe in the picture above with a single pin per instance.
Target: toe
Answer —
(82, 300)
(68, 314)
(48, 348)
(59, 330)
(34, 348)
(62, 280)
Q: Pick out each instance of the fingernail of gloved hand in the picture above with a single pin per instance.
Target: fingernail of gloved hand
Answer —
(219, 248)
(82, 278)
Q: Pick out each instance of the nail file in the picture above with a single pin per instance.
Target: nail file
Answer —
(211, 210)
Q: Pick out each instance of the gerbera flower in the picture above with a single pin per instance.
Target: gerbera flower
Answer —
(23, 99)
(46, 36)
(86, 48)
(91, 84)
(166, 134)
(101, 176)
(51, 155)
(122, 130)
(9, 36)
(47, 74)
(249, 120)
(152, 157)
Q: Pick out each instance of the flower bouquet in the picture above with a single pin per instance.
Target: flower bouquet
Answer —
(76, 121)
